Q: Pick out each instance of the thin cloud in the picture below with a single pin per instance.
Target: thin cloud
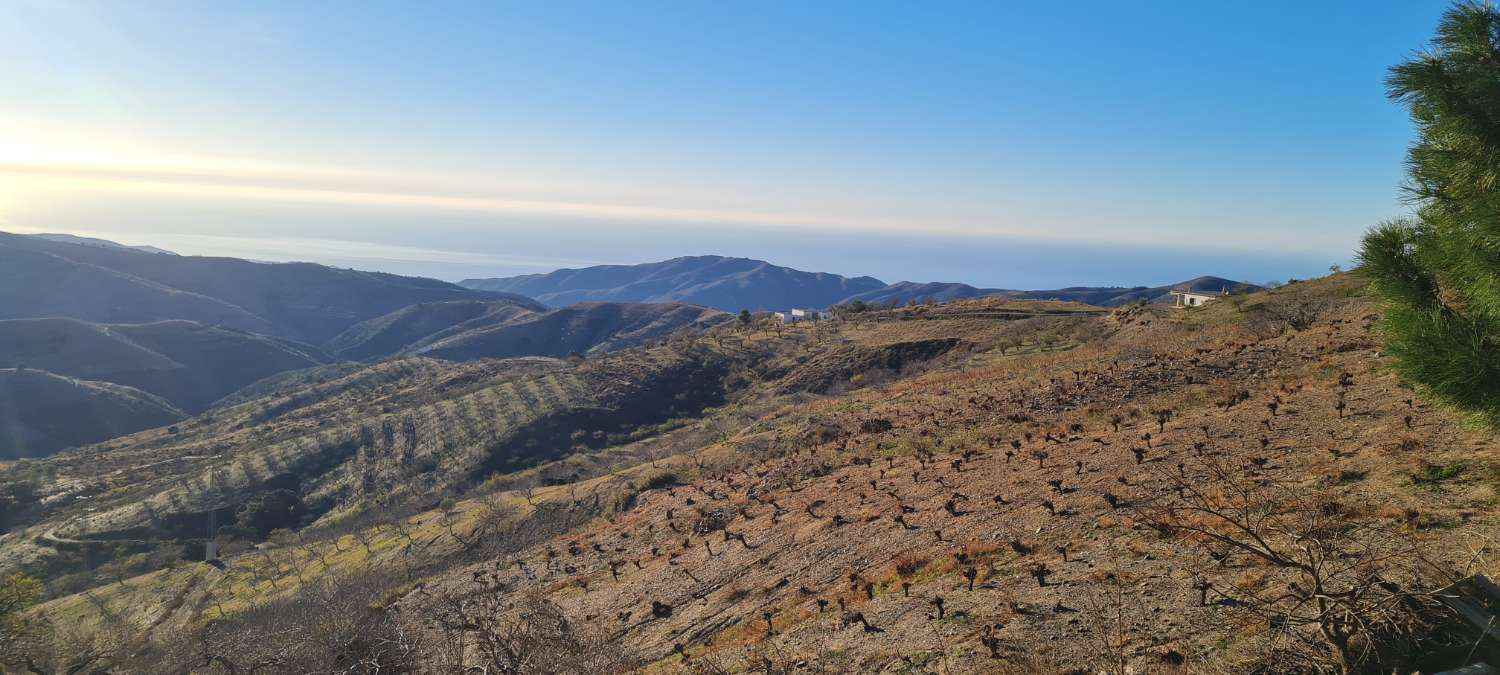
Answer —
(227, 179)
(340, 189)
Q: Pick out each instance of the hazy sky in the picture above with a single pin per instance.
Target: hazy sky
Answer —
(1002, 144)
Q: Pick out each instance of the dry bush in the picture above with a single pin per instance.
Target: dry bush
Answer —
(331, 626)
(1335, 588)
(1277, 314)
(490, 630)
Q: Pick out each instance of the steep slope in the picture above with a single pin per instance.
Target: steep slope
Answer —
(582, 328)
(185, 362)
(398, 433)
(728, 284)
(302, 301)
(999, 517)
(43, 412)
(423, 322)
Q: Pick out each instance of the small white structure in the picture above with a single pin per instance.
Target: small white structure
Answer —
(1195, 298)
(799, 315)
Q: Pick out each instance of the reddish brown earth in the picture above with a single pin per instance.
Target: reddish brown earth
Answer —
(791, 534)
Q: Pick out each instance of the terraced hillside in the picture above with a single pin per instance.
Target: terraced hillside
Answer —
(471, 330)
(415, 325)
(398, 431)
(979, 486)
(1049, 512)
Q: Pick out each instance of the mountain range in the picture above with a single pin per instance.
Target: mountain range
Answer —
(41, 277)
(727, 284)
(733, 284)
(137, 337)
(130, 338)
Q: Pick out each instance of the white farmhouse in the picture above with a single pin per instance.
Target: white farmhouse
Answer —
(1195, 298)
(799, 315)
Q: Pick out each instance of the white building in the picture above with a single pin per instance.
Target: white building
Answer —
(798, 315)
(1195, 298)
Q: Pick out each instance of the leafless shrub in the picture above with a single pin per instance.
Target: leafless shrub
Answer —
(331, 626)
(1275, 315)
(1342, 590)
(489, 630)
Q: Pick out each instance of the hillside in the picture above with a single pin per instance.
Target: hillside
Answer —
(497, 329)
(187, 363)
(584, 328)
(36, 284)
(46, 412)
(415, 325)
(973, 486)
(401, 432)
(727, 284)
(301, 301)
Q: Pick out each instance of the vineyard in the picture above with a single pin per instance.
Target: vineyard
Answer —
(890, 491)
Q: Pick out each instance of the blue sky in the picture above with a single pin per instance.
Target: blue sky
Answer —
(1000, 144)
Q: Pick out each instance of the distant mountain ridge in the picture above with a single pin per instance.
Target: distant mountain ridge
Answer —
(45, 277)
(188, 364)
(732, 284)
(97, 243)
(727, 284)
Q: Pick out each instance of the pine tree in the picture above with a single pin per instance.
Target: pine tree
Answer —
(1439, 273)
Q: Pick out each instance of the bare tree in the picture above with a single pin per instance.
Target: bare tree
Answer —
(485, 629)
(1343, 588)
